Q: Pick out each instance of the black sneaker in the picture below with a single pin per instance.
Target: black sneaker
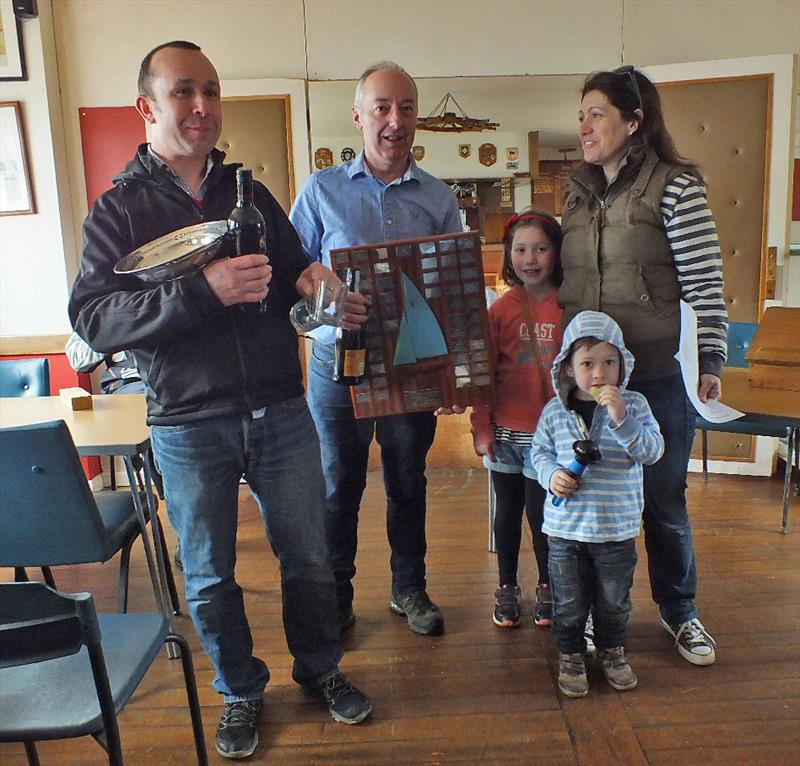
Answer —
(693, 641)
(544, 605)
(237, 735)
(346, 703)
(506, 606)
(423, 615)
(346, 617)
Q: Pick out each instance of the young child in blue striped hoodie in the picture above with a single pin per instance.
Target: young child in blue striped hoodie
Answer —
(592, 531)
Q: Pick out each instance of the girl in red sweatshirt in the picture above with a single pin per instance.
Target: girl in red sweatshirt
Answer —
(525, 324)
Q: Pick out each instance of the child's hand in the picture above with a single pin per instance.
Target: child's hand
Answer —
(563, 484)
(611, 398)
(455, 409)
(485, 448)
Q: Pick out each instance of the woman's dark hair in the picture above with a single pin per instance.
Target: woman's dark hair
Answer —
(628, 90)
(551, 229)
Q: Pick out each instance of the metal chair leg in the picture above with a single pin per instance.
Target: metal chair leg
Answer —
(20, 575)
(704, 440)
(33, 756)
(173, 591)
(791, 459)
(191, 694)
(48, 577)
(124, 573)
(492, 512)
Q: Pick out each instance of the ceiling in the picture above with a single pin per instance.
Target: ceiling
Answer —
(547, 103)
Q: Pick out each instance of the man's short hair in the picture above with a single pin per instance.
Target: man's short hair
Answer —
(379, 67)
(146, 76)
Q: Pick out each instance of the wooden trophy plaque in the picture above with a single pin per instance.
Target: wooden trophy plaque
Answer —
(427, 335)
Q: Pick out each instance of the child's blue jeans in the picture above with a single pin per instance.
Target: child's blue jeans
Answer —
(591, 576)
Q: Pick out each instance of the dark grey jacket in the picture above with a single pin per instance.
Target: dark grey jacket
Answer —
(197, 358)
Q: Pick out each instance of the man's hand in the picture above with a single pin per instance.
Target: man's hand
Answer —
(563, 484)
(453, 409)
(244, 279)
(485, 448)
(355, 310)
(710, 387)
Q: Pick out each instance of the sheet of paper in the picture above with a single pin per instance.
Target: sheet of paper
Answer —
(713, 410)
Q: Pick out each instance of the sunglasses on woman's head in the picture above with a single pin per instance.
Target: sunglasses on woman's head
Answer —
(629, 71)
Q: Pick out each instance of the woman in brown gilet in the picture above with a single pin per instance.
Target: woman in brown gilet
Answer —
(638, 238)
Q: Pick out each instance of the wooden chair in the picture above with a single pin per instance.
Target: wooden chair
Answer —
(66, 671)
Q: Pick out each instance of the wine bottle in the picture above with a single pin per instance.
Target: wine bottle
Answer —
(246, 227)
(350, 353)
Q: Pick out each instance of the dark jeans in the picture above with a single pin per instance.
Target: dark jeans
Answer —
(596, 577)
(202, 463)
(667, 529)
(513, 494)
(404, 441)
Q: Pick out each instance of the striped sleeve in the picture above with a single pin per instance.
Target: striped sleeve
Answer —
(692, 236)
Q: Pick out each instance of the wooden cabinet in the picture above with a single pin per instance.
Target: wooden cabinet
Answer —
(488, 202)
(548, 187)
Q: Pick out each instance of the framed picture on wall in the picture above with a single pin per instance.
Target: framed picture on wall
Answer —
(12, 60)
(15, 183)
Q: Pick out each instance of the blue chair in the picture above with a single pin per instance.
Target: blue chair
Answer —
(66, 671)
(740, 336)
(26, 377)
(48, 514)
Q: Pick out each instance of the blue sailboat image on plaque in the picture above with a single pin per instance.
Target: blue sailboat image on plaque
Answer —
(420, 336)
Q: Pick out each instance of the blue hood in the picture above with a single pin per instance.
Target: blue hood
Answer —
(590, 324)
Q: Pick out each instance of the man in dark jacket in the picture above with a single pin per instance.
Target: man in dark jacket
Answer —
(224, 389)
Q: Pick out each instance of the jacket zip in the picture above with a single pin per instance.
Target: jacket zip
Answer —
(181, 196)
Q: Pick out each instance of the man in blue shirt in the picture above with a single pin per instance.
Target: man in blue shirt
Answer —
(379, 196)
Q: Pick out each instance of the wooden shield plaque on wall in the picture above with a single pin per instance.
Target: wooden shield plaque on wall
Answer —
(428, 331)
(487, 154)
(323, 158)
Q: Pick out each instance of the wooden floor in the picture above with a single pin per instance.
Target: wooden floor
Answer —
(481, 695)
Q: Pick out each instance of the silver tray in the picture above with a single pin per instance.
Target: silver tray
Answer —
(175, 254)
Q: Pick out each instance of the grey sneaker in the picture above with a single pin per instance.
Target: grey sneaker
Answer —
(693, 641)
(588, 635)
(616, 668)
(572, 679)
(237, 735)
(345, 703)
(423, 615)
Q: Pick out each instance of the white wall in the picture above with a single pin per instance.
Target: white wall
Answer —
(33, 277)
(98, 45)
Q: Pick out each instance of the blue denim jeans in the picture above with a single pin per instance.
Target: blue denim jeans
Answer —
(404, 441)
(591, 576)
(667, 529)
(278, 455)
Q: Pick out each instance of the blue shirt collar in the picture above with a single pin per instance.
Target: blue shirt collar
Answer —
(359, 167)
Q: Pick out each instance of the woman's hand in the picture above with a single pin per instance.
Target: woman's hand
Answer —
(710, 387)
